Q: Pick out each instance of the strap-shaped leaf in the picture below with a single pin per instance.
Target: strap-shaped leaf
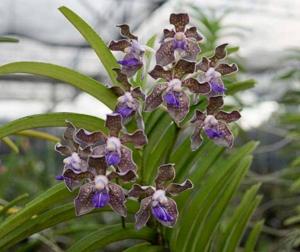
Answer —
(145, 247)
(94, 40)
(109, 234)
(235, 227)
(66, 75)
(38, 134)
(10, 143)
(209, 218)
(253, 236)
(51, 120)
(188, 225)
(8, 40)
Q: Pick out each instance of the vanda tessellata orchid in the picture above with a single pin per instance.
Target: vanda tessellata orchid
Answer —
(156, 199)
(97, 163)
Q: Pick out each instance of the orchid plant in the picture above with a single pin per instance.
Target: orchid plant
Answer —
(113, 162)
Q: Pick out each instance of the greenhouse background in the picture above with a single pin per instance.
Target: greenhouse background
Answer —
(265, 35)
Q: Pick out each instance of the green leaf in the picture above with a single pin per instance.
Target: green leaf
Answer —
(14, 202)
(94, 40)
(9, 40)
(238, 222)
(239, 86)
(38, 134)
(66, 75)
(51, 120)
(109, 234)
(11, 144)
(252, 239)
(145, 247)
(42, 202)
(191, 215)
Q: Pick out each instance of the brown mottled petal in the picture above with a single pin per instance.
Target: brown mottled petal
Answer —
(159, 72)
(192, 33)
(228, 138)
(179, 21)
(192, 50)
(168, 33)
(154, 99)
(86, 138)
(98, 163)
(182, 68)
(119, 45)
(138, 191)
(73, 179)
(125, 176)
(138, 138)
(137, 93)
(70, 131)
(114, 124)
(196, 87)
(225, 69)
(228, 117)
(179, 113)
(198, 118)
(143, 215)
(171, 208)
(63, 149)
(196, 138)
(84, 153)
(122, 78)
(126, 162)
(214, 104)
(166, 172)
(125, 31)
(175, 188)
(117, 199)
(203, 65)
(165, 53)
(220, 53)
(83, 202)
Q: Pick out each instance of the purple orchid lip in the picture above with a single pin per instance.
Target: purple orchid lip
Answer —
(112, 158)
(171, 99)
(129, 62)
(213, 133)
(216, 88)
(161, 213)
(59, 177)
(179, 44)
(100, 199)
(124, 111)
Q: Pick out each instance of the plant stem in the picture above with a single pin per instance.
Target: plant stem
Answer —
(123, 222)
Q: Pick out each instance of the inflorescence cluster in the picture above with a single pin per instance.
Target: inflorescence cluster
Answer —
(96, 162)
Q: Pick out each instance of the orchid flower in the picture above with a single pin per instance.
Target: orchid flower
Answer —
(214, 123)
(156, 200)
(183, 41)
(133, 59)
(98, 190)
(173, 92)
(112, 146)
(213, 71)
(76, 154)
(129, 98)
